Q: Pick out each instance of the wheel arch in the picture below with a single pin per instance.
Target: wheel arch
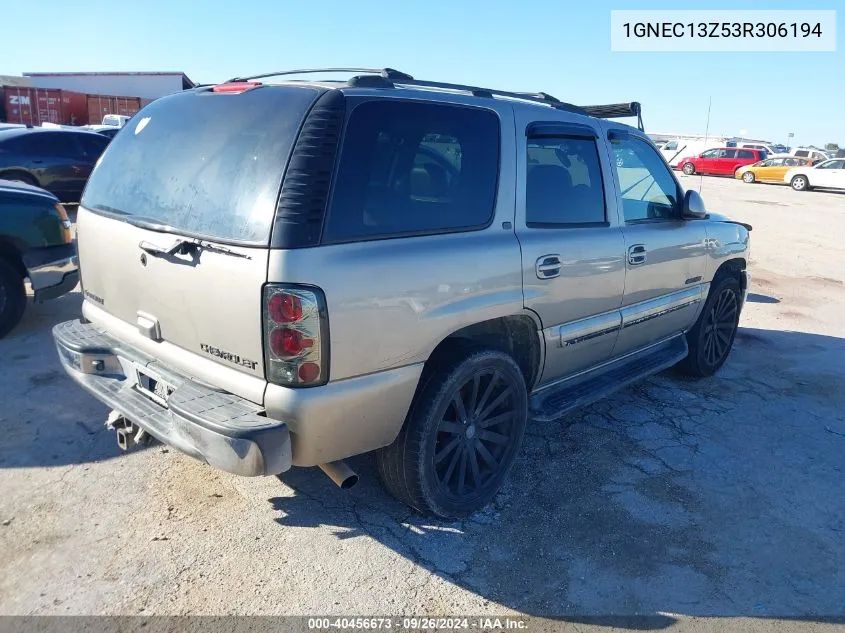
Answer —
(517, 335)
(731, 268)
(11, 251)
(8, 174)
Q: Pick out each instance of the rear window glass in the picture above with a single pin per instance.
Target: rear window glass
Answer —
(414, 168)
(207, 164)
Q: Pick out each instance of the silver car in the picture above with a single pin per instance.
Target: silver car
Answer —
(293, 273)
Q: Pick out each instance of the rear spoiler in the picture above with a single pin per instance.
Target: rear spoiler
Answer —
(617, 111)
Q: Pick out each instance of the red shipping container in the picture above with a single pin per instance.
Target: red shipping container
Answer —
(44, 105)
(101, 105)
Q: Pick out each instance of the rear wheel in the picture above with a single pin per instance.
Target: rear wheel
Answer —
(800, 183)
(748, 177)
(12, 297)
(461, 436)
(711, 338)
(688, 169)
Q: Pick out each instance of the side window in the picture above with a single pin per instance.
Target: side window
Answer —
(775, 162)
(802, 152)
(833, 164)
(767, 163)
(648, 189)
(744, 153)
(58, 144)
(414, 168)
(92, 145)
(727, 153)
(710, 153)
(671, 145)
(563, 186)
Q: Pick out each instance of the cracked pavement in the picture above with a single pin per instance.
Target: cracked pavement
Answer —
(681, 500)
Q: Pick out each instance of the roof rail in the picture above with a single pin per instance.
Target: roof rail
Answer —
(386, 73)
(534, 97)
(617, 111)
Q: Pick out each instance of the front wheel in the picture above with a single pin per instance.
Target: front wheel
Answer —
(12, 297)
(748, 177)
(711, 338)
(460, 437)
(688, 169)
(800, 183)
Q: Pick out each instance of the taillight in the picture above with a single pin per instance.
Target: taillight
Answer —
(67, 237)
(295, 335)
(236, 87)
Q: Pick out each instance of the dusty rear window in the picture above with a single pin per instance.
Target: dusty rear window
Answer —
(207, 164)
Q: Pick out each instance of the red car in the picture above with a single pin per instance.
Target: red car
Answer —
(721, 160)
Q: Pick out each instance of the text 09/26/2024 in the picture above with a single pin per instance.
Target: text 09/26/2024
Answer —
(710, 30)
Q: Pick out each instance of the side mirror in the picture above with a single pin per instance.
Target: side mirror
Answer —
(693, 208)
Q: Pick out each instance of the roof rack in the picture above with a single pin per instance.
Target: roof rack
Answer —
(476, 91)
(617, 111)
(386, 73)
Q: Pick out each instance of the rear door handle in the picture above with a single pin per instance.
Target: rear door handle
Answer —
(547, 266)
(637, 254)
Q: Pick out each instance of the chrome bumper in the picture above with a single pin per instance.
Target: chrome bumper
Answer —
(52, 271)
(214, 426)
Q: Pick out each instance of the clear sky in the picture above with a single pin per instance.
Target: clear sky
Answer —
(559, 46)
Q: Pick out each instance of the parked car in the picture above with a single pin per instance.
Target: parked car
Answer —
(260, 294)
(771, 169)
(721, 160)
(815, 155)
(116, 120)
(829, 174)
(108, 131)
(676, 150)
(58, 160)
(35, 243)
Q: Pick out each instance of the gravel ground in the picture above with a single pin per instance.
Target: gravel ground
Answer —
(677, 500)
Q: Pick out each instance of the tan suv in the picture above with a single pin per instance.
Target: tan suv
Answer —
(293, 273)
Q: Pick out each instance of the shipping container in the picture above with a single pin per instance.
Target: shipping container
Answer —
(44, 105)
(101, 105)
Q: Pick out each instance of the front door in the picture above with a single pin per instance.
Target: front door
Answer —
(665, 254)
(572, 246)
(706, 163)
(829, 174)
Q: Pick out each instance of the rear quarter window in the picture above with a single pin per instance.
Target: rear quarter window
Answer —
(409, 168)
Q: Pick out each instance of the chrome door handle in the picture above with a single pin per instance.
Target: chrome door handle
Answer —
(636, 254)
(547, 266)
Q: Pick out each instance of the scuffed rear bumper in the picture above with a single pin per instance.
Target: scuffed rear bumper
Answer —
(214, 426)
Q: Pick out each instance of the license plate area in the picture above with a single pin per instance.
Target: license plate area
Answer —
(151, 385)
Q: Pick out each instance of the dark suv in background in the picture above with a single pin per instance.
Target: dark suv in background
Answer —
(57, 160)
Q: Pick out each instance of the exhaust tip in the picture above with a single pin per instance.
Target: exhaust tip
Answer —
(349, 482)
(341, 474)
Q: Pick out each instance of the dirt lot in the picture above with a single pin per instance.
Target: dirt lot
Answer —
(672, 499)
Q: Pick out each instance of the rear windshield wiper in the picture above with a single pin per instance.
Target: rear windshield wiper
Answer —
(185, 245)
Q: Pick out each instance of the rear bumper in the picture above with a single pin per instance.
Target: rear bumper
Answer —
(52, 271)
(214, 426)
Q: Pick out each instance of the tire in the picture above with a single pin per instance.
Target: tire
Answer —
(800, 183)
(748, 177)
(688, 169)
(711, 338)
(449, 464)
(12, 297)
(20, 177)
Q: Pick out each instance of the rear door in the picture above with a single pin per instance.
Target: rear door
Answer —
(666, 257)
(725, 161)
(572, 248)
(197, 165)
